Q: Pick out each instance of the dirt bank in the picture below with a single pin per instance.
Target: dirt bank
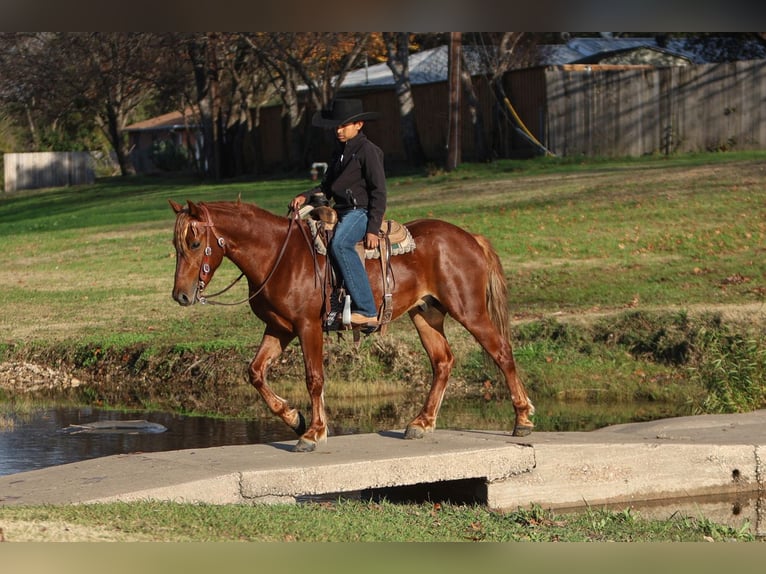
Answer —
(24, 377)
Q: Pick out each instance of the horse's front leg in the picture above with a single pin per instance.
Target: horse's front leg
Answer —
(312, 346)
(271, 347)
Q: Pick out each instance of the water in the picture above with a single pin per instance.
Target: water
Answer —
(38, 439)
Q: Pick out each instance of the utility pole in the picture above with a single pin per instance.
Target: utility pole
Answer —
(453, 81)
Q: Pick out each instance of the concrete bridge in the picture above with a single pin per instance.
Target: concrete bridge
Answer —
(686, 459)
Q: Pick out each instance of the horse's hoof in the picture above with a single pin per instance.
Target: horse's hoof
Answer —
(522, 431)
(300, 428)
(414, 432)
(304, 445)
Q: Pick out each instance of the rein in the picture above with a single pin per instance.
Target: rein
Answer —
(205, 271)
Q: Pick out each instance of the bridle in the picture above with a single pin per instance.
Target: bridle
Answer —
(205, 271)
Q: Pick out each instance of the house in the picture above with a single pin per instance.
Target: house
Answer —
(163, 142)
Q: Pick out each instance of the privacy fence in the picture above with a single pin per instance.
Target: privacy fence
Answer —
(47, 169)
(600, 112)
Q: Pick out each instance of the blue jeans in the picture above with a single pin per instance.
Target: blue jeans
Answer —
(350, 230)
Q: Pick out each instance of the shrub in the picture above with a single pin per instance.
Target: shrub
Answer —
(732, 369)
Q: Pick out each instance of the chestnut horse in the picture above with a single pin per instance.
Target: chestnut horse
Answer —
(451, 271)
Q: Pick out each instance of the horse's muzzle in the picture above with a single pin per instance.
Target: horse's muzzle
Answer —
(184, 299)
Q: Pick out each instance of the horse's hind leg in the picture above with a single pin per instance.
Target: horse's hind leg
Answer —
(499, 349)
(521, 403)
(430, 326)
(271, 347)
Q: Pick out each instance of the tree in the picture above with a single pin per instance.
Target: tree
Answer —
(501, 52)
(398, 49)
(222, 79)
(36, 95)
(112, 73)
(65, 85)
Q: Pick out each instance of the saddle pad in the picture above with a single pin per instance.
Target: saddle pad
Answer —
(399, 236)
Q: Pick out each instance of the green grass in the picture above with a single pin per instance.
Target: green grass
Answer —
(581, 241)
(573, 237)
(354, 521)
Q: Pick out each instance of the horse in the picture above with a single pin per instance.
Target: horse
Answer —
(450, 272)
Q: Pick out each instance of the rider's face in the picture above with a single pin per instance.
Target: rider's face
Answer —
(348, 131)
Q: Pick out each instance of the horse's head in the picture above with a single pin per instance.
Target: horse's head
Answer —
(199, 251)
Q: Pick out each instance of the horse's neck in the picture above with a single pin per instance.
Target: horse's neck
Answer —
(253, 234)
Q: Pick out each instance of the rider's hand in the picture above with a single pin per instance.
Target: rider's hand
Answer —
(297, 202)
(371, 241)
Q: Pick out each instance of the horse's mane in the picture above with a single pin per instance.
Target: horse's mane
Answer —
(238, 208)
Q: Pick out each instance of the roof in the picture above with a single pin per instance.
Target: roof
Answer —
(430, 66)
(692, 49)
(426, 67)
(170, 121)
(593, 50)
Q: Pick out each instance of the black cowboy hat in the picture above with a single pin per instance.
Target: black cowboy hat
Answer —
(342, 111)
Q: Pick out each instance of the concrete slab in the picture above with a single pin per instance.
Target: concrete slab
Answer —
(571, 475)
(665, 459)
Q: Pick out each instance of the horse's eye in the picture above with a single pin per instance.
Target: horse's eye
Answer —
(195, 244)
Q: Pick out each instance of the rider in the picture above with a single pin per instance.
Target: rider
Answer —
(356, 182)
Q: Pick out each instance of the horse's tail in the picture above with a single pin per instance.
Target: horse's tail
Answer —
(496, 289)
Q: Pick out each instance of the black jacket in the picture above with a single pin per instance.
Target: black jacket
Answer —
(359, 181)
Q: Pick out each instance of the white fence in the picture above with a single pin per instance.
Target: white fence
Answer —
(47, 169)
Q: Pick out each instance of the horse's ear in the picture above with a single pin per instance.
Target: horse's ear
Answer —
(177, 207)
(239, 198)
(194, 211)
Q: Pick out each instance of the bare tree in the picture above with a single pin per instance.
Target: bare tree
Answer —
(500, 53)
(223, 69)
(314, 63)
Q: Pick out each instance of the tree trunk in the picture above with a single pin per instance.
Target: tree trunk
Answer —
(295, 138)
(481, 150)
(114, 134)
(200, 59)
(453, 133)
(398, 62)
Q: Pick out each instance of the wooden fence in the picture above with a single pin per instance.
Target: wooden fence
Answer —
(47, 169)
(635, 112)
